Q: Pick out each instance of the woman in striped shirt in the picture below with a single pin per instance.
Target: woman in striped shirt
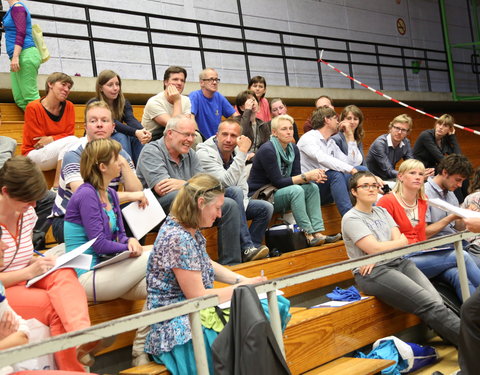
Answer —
(50, 299)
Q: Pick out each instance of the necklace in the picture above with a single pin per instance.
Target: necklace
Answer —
(406, 204)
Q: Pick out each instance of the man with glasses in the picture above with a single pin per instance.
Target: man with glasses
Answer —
(208, 105)
(319, 150)
(165, 166)
(388, 149)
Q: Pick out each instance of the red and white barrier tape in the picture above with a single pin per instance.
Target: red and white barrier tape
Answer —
(389, 97)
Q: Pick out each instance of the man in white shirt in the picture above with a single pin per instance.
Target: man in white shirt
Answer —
(168, 103)
(319, 150)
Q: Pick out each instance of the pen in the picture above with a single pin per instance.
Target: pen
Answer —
(38, 253)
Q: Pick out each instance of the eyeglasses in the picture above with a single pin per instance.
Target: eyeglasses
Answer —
(211, 80)
(369, 186)
(401, 130)
(185, 135)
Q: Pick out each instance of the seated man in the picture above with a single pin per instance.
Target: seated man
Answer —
(319, 150)
(277, 107)
(166, 164)
(224, 156)
(388, 149)
(168, 103)
(208, 105)
(452, 171)
(98, 124)
(321, 101)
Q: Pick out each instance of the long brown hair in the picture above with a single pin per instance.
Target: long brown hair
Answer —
(118, 105)
(359, 133)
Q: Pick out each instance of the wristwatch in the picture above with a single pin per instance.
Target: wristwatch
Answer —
(304, 177)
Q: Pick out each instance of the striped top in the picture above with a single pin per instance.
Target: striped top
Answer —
(25, 250)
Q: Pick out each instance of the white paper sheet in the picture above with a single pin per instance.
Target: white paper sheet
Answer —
(69, 260)
(141, 221)
(462, 212)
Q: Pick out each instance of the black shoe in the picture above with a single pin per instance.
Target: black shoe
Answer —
(274, 253)
(254, 253)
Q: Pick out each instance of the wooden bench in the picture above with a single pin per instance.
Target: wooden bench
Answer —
(352, 366)
(286, 264)
(376, 123)
(315, 337)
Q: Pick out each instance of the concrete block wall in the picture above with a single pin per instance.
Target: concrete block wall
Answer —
(365, 20)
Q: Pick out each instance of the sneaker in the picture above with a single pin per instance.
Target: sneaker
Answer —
(140, 360)
(254, 253)
(332, 239)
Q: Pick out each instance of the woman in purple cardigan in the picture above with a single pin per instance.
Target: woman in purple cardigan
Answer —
(94, 212)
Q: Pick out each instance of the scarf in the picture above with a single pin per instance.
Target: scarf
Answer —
(285, 157)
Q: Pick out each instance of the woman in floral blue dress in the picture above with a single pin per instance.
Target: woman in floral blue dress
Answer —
(180, 268)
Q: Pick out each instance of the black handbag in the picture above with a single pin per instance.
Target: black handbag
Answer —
(285, 238)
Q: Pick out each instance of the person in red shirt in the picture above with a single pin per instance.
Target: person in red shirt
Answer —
(50, 125)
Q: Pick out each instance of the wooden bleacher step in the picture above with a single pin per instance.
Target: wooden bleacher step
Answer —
(352, 366)
(315, 337)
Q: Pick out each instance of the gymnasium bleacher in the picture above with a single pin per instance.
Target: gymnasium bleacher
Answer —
(314, 337)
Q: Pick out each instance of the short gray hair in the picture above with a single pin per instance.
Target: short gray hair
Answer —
(203, 73)
(172, 123)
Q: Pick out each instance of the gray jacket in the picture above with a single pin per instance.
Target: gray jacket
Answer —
(212, 163)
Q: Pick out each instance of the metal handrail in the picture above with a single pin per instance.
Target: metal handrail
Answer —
(193, 306)
(353, 48)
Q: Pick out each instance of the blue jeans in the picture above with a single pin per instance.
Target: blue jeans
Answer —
(443, 263)
(260, 212)
(236, 193)
(229, 251)
(400, 284)
(130, 144)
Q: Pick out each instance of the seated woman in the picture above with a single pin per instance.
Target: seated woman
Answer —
(128, 130)
(180, 268)
(432, 145)
(94, 212)
(407, 205)
(254, 128)
(472, 202)
(277, 162)
(352, 119)
(49, 300)
(49, 126)
(369, 229)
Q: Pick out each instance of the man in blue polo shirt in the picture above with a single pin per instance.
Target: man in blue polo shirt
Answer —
(208, 105)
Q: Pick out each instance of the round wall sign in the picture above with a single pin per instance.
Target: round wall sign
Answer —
(401, 27)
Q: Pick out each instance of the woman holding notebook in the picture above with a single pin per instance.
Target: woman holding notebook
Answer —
(94, 212)
(50, 299)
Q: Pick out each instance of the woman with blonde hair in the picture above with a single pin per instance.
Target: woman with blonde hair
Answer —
(129, 132)
(180, 268)
(407, 204)
(432, 145)
(277, 162)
